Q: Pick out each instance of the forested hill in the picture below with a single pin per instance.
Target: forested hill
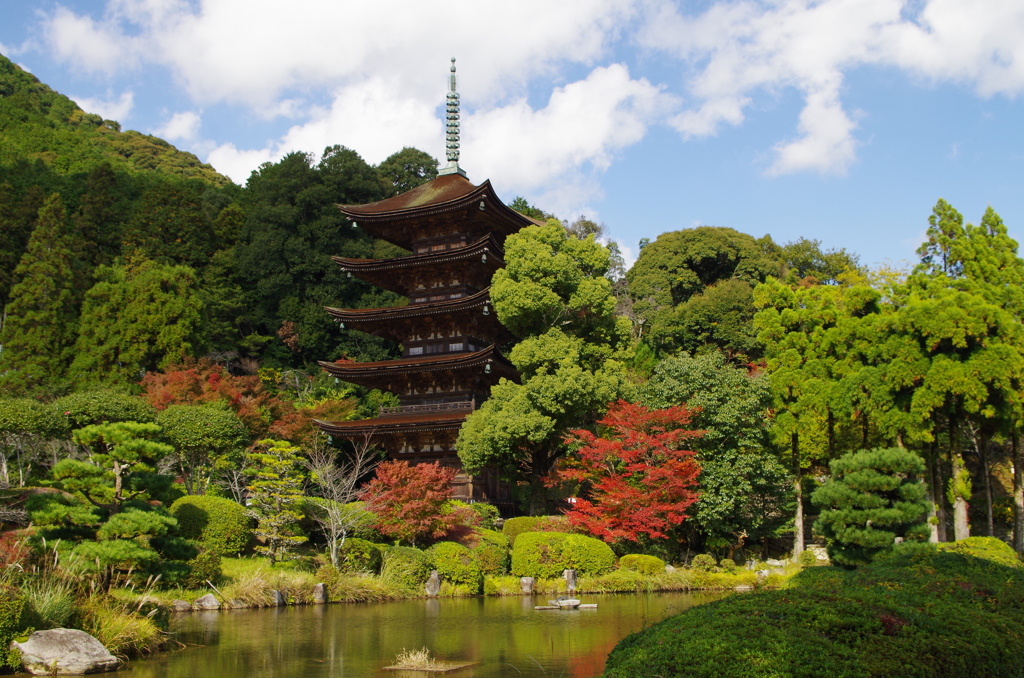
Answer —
(37, 123)
(121, 255)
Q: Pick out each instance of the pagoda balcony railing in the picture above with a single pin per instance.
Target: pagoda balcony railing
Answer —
(462, 406)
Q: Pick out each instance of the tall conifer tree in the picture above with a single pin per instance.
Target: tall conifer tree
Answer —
(39, 326)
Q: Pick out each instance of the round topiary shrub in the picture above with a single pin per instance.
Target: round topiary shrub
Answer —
(703, 562)
(219, 525)
(491, 552)
(205, 567)
(405, 569)
(513, 527)
(637, 562)
(546, 554)
(488, 513)
(455, 563)
(728, 565)
(359, 555)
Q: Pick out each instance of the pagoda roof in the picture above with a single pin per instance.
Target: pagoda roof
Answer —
(447, 194)
(419, 422)
(440, 307)
(382, 272)
(431, 363)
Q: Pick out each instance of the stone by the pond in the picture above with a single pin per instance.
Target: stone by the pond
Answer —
(669, 569)
(762, 574)
(64, 652)
(743, 587)
(277, 599)
(179, 605)
(320, 593)
(526, 584)
(772, 562)
(433, 584)
(207, 602)
(570, 580)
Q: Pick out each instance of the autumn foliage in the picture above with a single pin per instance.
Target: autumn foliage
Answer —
(263, 412)
(636, 481)
(411, 502)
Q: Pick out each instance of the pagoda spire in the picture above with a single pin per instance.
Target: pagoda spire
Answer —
(452, 128)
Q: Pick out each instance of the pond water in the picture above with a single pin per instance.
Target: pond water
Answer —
(504, 637)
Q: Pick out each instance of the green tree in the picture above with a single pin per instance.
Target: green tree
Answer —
(18, 215)
(874, 498)
(681, 264)
(39, 329)
(201, 435)
(744, 488)
(275, 497)
(137, 318)
(407, 169)
(554, 295)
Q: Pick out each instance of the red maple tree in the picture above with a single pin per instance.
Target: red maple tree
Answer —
(411, 502)
(636, 481)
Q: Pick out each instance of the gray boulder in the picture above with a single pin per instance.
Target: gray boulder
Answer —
(277, 599)
(64, 652)
(207, 602)
(526, 584)
(320, 593)
(179, 605)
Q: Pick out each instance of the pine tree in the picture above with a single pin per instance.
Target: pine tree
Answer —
(39, 328)
(275, 497)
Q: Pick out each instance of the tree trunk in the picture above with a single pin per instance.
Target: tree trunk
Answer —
(1018, 496)
(939, 496)
(798, 519)
(934, 496)
(983, 455)
(961, 523)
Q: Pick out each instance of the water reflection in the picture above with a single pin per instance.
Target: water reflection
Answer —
(504, 637)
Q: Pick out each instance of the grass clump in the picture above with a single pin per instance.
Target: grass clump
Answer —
(122, 630)
(418, 660)
(918, 611)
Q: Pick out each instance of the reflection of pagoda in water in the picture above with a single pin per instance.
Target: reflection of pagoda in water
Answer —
(448, 331)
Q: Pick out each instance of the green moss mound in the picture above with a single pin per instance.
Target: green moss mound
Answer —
(360, 556)
(546, 554)
(988, 548)
(918, 611)
(637, 562)
(456, 564)
(219, 525)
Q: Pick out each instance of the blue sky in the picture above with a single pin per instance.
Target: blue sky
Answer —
(839, 120)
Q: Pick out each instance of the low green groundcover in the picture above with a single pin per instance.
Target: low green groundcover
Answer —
(918, 611)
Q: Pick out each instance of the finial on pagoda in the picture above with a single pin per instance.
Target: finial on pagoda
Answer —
(452, 128)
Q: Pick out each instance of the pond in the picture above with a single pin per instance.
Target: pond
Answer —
(503, 637)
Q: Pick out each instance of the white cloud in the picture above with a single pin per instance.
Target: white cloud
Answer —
(87, 44)
(238, 164)
(182, 126)
(735, 54)
(109, 109)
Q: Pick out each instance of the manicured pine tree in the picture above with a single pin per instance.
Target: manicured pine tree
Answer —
(873, 498)
(39, 329)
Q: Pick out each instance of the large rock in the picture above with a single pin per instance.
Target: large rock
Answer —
(207, 602)
(179, 605)
(320, 593)
(277, 599)
(433, 584)
(526, 584)
(64, 652)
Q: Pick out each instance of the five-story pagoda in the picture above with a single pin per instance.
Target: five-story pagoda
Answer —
(448, 331)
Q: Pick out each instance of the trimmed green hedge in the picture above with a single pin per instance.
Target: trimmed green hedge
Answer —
(638, 562)
(405, 569)
(491, 552)
(359, 555)
(546, 554)
(988, 548)
(514, 527)
(917, 612)
(455, 563)
(219, 525)
(12, 604)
